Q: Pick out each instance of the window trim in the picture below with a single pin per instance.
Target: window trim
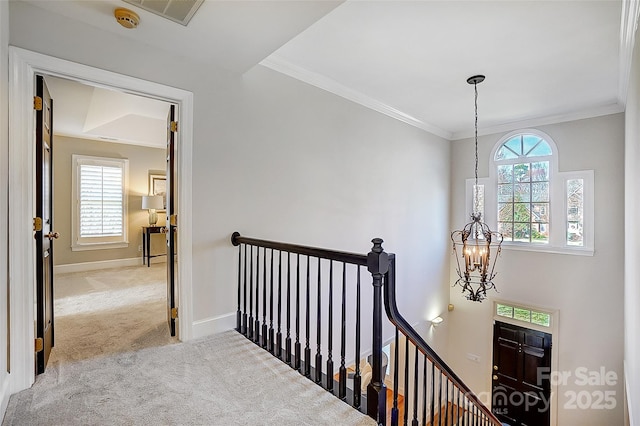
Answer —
(526, 324)
(558, 202)
(82, 244)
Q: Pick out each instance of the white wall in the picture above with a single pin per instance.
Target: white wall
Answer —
(307, 167)
(587, 290)
(4, 187)
(276, 158)
(632, 242)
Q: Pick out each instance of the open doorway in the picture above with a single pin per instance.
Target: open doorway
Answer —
(25, 65)
(109, 156)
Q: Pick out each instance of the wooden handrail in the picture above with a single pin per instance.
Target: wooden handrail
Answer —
(340, 256)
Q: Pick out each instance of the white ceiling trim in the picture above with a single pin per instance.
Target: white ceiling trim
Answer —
(283, 66)
(596, 111)
(628, 28)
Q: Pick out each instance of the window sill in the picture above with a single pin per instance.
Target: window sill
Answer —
(99, 246)
(575, 251)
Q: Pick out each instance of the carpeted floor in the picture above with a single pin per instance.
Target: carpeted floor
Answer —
(115, 364)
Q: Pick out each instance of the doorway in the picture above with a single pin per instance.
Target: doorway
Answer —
(25, 65)
(108, 146)
(521, 390)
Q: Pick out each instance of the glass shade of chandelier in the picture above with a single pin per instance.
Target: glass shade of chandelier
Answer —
(476, 247)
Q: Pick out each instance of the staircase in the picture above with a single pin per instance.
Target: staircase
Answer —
(307, 305)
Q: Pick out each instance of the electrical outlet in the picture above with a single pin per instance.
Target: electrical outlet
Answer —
(473, 357)
(139, 248)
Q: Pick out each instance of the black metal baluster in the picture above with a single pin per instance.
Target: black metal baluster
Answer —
(457, 417)
(424, 391)
(357, 379)
(414, 422)
(307, 348)
(394, 409)
(440, 397)
(287, 340)
(475, 415)
(465, 411)
(330, 341)
(319, 328)
(264, 300)
(250, 324)
(238, 312)
(433, 393)
(468, 413)
(342, 387)
(452, 415)
(446, 404)
(256, 335)
(244, 314)
(406, 381)
(298, 351)
(270, 341)
(278, 352)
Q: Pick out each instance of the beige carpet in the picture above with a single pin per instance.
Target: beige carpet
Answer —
(115, 364)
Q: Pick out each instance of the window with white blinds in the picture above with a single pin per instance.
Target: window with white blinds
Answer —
(100, 210)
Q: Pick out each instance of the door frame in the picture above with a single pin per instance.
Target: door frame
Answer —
(553, 331)
(23, 65)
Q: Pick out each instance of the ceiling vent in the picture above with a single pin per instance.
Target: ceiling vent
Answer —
(180, 11)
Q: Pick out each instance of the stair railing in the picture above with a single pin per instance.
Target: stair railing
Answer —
(432, 393)
(277, 281)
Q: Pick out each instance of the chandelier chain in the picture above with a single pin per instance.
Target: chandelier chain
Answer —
(475, 188)
(475, 86)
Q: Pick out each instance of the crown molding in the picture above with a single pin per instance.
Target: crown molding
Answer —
(596, 111)
(283, 66)
(628, 28)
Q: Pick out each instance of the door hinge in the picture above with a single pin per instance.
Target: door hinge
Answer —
(173, 220)
(39, 344)
(37, 103)
(173, 126)
(174, 313)
(37, 224)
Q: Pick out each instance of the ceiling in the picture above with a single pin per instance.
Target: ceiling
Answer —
(89, 112)
(545, 61)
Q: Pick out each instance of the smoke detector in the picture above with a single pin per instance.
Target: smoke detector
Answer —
(127, 18)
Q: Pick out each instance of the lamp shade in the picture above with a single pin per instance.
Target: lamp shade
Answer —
(152, 202)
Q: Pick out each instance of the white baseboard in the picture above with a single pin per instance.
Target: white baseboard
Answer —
(209, 326)
(103, 264)
(4, 394)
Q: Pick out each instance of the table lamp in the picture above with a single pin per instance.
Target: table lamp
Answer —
(152, 203)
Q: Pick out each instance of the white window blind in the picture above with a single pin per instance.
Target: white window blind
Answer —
(101, 201)
(100, 198)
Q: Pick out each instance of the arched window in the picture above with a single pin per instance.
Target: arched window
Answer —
(523, 188)
(533, 204)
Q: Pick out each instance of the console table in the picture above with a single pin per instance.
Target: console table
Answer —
(146, 242)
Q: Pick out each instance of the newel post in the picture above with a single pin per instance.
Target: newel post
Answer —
(378, 265)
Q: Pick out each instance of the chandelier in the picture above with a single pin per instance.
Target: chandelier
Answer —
(476, 247)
